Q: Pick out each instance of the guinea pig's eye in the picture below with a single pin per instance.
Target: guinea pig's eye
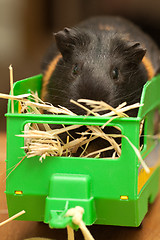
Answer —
(115, 73)
(76, 70)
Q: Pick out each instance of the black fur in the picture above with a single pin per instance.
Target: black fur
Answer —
(101, 64)
(95, 53)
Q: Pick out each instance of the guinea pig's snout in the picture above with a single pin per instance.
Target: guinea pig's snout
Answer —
(94, 89)
(91, 88)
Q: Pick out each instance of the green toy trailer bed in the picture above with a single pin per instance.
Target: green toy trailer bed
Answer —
(111, 191)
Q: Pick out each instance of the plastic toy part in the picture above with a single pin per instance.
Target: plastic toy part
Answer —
(18, 192)
(124, 197)
(74, 189)
(111, 191)
(60, 221)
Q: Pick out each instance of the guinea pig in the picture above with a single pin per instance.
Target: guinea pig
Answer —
(103, 58)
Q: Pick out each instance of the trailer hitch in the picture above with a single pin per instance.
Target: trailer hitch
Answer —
(66, 191)
(60, 220)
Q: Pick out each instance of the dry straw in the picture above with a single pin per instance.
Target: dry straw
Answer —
(48, 142)
(11, 86)
(12, 218)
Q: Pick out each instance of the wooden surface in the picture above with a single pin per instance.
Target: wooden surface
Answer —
(19, 230)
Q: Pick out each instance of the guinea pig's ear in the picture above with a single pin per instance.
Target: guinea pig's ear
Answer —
(65, 41)
(69, 39)
(135, 52)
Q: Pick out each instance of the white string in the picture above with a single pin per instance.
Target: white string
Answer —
(76, 214)
(70, 233)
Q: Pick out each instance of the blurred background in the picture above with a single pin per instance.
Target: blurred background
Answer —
(26, 30)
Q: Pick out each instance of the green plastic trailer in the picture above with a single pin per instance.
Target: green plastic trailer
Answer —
(111, 191)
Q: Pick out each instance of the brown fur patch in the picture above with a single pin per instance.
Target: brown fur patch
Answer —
(105, 27)
(149, 67)
(48, 73)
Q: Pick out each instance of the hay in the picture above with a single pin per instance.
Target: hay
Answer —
(12, 218)
(49, 143)
(11, 86)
